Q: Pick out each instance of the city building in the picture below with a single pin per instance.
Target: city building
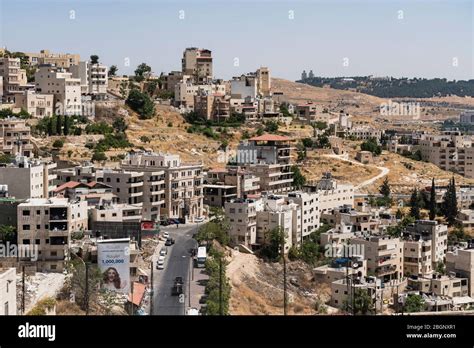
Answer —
(14, 78)
(338, 269)
(466, 117)
(308, 204)
(15, 137)
(47, 223)
(331, 193)
(62, 60)
(65, 88)
(116, 220)
(460, 262)
(8, 291)
(440, 285)
(268, 158)
(182, 183)
(242, 215)
(214, 107)
(36, 104)
(197, 62)
(94, 78)
(28, 178)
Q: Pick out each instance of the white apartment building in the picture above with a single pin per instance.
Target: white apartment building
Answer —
(384, 256)
(183, 182)
(450, 151)
(309, 206)
(365, 133)
(94, 78)
(116, 220)
(28, 178)
(8, 291)
(244, 86)
(13, 78)
(426, 243)
(15, 137)
(242, 215)
(65, 88)
(62, 60)
(461, 263)
(331, 193)
(36, 104)
(47, 224)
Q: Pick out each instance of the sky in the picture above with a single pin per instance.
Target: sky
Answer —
(409, 38)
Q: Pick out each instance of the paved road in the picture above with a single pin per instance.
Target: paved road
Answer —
(177, 264)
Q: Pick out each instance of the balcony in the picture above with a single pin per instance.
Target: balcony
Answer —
(58, 214)
(380, 271)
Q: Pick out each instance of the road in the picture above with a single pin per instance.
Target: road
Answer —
(383, 170)
(177, 264)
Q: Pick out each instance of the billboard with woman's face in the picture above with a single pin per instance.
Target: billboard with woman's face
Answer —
(114, 262)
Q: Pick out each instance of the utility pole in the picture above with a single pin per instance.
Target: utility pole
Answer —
(87, 289)
(152, 292)
(131, 307)
(189, 285)
(221, 309)
(23, 292)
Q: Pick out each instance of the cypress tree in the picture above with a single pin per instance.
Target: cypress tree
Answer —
(415, 205)
(66, 125)
(50, 127)
(59, 124)
(432, 205)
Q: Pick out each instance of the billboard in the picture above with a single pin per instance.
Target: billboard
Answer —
(113, 258)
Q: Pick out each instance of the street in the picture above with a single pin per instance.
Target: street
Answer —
(177, 264)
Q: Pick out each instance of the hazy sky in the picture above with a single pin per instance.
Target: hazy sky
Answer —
(428, 41)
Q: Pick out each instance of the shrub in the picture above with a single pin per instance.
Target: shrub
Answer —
(99, 156)
(58, 143)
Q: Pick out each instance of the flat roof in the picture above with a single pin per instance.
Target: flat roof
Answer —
(270, 137)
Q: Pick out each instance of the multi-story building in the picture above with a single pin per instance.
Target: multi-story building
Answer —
(384, 256)
(28, 178)
(440, 285)
(13, 78)
(186, 90)
(116, 220)
(308, 204)
(47, 223)
(15, 137)
(242, 215)
(244, 86)
(467, 117)
(267, 157)
(8, 291)
(94, 193)
(62, 60)
(365, 133)
(461, 263)
(182, 185)
(36, 104)
(343, 291)
(94, 78)
(338, 269)
(65, 88)
(171, 80)
(350, 220)
(331, 193)
(212, 106)
(450, 151)
(197, 62)
(264, 82)
(425, 246)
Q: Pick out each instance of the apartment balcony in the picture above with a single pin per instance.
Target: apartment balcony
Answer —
(380, 271)
(135, 194)
(58, 214)
(135, 184)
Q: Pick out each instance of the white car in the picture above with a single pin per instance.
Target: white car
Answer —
(161, 263)
(163, 251)
(166, 235)
(199, 219)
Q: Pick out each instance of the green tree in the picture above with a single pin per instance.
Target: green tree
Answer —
(141, 103)
(363, 303)
(58, 143)
(119, 125)
(414, 205)
(113, 70)
(98, 156)
(450, 206)
(299, 179)
(142, 71)
(274, 241)
(414, 303)
(385, 188)
(432, 204)
(6, 158)
(66, 125)
(271, 126)
(59, 124)
(372, 146)
(51, 127)
(94, 59)
(8, 234)
(319, 125)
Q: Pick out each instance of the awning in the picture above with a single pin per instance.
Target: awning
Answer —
(138, 293)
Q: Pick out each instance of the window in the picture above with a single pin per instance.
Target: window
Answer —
(26, 241)
(53, 266)
(37, 241)
(26, 213)
(6, 308)
(38, 212)
(54, 253)
(38, 227)
(26, 227)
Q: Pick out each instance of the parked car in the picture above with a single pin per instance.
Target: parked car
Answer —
(169, 242)
(164, 222)
(166, 235)
(163, 251)
(203, 299)
(199, 219)
(161, 263)
(177, 289)
(178, 280)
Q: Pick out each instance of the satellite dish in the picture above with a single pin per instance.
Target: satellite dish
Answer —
(355, 265)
